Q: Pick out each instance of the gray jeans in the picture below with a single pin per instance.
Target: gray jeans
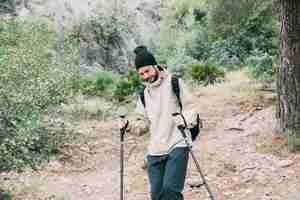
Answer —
(167, 174)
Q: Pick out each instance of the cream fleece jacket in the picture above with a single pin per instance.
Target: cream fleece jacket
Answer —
(160, 103)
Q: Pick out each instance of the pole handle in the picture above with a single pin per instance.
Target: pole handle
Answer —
(181, 115)
(124, 128)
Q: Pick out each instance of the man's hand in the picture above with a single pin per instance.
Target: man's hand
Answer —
(123, 123)
(178, 119)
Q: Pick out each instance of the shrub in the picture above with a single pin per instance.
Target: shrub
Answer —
(244, 25)
(207, 73)
(32, 144)
(175, 25)
(110, 85)
(103, 81)
(178, 60)
(87, 85)
(260, 65)
(123, 89)
(225, 54)
(134, 79)
(199, 45)
(32, 81)
(127, 85)
(5, 195)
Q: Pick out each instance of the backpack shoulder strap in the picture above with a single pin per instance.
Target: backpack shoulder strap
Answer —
(142, 95)
(176, 90)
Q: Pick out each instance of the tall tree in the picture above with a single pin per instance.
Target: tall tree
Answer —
(288, 76)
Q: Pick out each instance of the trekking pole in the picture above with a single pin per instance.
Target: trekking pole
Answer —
(122, 133)
(182, 130)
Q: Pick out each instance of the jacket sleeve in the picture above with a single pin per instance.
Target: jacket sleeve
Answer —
(188, 104)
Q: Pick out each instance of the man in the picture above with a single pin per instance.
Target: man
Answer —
(167, 154)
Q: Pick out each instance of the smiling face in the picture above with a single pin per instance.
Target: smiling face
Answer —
(149, 73)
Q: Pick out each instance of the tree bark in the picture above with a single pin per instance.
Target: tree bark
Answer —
(8, 6)
(12, 5)
(288, 76)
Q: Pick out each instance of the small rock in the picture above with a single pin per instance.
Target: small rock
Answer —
(195, 183)
(248, 191)
(285, 163)
(55, 165)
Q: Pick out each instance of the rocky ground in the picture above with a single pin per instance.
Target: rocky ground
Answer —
(239, 152)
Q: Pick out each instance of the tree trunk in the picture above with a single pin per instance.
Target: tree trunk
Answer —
(288, 76)
(7, 6)
(12, 5)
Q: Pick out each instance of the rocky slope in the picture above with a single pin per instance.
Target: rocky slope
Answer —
(143, 22)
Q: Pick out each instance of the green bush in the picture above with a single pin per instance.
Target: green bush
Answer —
(260, 65)
(244, 25)
(225, 53)
(33, 80)
(111, 85)
(134, 79)
(102, 83)
(178, 60)
(169, 44)
(207, 73)
(127, 85)
(123, 89)
(199, 45)
(5, 195)
(104, 80)
(32, 144)
(87, 85)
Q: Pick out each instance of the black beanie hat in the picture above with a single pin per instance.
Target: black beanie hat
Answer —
(143, 57)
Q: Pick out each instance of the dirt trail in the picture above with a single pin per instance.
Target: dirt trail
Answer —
(239, 152)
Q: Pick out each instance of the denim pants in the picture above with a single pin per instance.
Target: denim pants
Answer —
(167, 174)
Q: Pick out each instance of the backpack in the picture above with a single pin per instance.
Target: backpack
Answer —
(195, 130)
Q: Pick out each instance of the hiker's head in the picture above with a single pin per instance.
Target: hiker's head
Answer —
(146, 64)
(149, 73)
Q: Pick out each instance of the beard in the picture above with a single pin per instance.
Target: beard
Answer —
(152, 79)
